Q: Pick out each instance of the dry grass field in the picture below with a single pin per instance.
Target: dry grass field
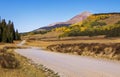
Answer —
(45, 43)
(74, 44)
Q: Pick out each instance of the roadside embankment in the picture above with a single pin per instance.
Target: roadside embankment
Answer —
(14, 65)
(109, 50)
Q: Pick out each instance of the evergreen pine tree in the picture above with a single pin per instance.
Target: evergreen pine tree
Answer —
(4, 35)
(10, 32)
(7, 32)
(17, 35)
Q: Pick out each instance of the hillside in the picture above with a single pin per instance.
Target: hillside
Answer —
(113, 18)
(94, 25)
(97, 24)
(80, 17)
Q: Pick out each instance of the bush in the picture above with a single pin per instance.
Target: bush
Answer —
(8, 60)
(96, 23)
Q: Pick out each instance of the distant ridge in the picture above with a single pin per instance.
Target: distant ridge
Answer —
(107, 13)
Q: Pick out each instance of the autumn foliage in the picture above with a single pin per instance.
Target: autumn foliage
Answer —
(94, 25)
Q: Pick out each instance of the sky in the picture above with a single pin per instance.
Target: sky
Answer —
(28, 15)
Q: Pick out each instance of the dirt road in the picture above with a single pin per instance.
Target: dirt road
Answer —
(72, 65)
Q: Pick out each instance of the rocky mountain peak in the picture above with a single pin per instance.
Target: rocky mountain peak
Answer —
(79, 17)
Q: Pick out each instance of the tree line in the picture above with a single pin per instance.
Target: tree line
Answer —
(7, 32)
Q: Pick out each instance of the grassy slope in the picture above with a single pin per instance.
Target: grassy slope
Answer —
(49, 35)
(25, 69)
(112, 19)
(45, 43)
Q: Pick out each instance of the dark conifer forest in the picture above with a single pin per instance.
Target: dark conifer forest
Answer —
(7, 32)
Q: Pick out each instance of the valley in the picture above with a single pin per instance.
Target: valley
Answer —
(59, 38)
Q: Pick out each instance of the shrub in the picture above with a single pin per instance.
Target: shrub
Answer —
(96, 23)
(8, 60)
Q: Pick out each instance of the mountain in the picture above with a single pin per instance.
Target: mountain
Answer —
(80, 17)
(107, 24)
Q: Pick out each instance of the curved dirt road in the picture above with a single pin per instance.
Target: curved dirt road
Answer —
(71, 65)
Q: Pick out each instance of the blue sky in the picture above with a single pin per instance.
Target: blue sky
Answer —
(28, 15)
